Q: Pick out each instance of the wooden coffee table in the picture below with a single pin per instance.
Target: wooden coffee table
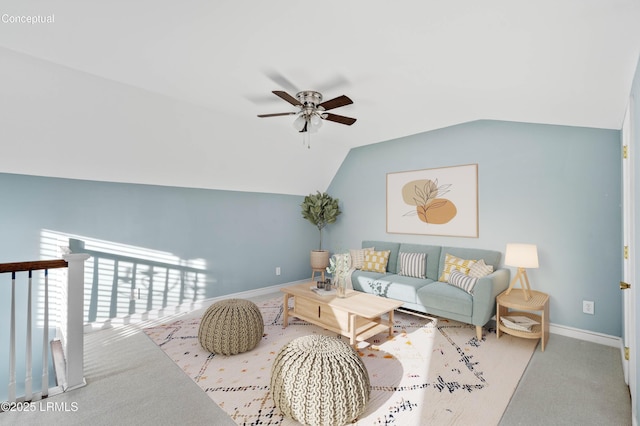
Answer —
(357, 316)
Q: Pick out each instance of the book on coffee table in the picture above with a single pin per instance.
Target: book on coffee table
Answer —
(322, 291)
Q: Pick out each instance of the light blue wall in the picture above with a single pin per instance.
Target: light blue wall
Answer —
(554, 186)
(242, 236)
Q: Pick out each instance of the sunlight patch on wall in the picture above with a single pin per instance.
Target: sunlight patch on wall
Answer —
(124, 281)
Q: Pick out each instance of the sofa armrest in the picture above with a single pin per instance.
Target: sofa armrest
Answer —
(484, 295)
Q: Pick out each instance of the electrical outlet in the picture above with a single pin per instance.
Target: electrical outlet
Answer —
(588, 307)
(277, 270)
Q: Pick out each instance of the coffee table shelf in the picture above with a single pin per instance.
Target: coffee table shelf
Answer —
(358, 316)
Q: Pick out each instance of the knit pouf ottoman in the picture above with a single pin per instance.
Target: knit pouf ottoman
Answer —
(319, 380)
(230, 327)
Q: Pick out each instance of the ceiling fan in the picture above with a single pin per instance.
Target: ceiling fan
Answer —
(312, 110)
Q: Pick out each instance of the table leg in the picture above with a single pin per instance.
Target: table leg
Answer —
(545, 325)
(500, 310)
(391, 323)
(352, 326)
(285, 317)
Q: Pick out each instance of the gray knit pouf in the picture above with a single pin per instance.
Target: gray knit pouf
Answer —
(230, 327)
(319, 380)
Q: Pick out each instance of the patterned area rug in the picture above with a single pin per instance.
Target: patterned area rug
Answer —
(432, 371)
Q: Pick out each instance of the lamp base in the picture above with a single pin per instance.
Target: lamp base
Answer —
(524, 283)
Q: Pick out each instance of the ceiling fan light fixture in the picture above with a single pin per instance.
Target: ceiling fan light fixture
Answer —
(311, 111)
(316, 120)
(299, 122)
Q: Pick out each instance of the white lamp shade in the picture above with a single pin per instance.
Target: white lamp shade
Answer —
(521, 255)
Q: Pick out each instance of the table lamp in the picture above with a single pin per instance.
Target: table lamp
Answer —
(521, 256)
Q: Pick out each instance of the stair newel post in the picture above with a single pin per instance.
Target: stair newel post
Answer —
(75, 321)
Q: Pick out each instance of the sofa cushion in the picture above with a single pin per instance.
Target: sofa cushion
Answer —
(395, 287)
(462, 281)
(412, 264)
(452, 262)
(441, 297)
(375, 261)
(433, 257)
(359, 279)
(385, 245)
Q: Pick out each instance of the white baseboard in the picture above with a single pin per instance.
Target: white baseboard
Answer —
(589, 336)
(254, 293)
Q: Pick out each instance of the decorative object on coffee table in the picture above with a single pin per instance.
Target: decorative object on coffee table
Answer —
(230, 327)
(319, 380)
(320, 209)
(339, 268)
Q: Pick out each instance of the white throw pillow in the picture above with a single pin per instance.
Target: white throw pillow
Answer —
(357, 257)
(480, 269)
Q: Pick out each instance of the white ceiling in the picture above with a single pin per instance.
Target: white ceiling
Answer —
(409, 66)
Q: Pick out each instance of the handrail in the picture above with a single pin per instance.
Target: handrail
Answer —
(33, 265)
(71, 341)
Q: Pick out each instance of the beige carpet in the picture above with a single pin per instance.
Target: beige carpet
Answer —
(433, 371)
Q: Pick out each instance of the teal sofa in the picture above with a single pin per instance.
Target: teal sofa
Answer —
(429, 295)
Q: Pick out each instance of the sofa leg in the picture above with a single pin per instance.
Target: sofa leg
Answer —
(478, 332)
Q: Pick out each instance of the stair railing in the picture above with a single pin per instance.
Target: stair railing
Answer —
(67, 349)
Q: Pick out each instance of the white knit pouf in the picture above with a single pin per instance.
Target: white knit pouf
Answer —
(230, 327)
(319, 380)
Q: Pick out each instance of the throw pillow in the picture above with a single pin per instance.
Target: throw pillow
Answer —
(480, 269)
(376, 261)
(357, 257)
(413, 264)
(465, 282)
(452, 262)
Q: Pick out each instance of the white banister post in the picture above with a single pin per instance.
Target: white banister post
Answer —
(75, 320)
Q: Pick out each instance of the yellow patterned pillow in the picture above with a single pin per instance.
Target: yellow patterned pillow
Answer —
(451, 263)
(376, 261)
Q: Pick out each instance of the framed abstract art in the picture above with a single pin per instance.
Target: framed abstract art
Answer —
(442, 201)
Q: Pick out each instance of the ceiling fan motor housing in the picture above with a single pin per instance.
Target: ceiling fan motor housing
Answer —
(309, 98)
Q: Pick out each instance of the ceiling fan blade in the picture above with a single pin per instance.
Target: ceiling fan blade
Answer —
(287, 97)
(281, 80)
(277, 114)
(339, 118)
(336, 102)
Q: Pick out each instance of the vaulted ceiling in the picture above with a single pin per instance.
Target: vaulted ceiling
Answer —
(409, 66)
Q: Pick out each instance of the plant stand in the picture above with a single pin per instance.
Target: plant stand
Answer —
(314, 270)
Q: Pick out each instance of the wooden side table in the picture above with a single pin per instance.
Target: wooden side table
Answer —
(539, 301)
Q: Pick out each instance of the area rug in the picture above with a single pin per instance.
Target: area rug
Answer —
(432, 371)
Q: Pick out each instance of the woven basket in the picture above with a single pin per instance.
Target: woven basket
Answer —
(230, 327)
(319, 380)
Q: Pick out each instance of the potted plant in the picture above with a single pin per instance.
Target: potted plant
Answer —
(320, 209)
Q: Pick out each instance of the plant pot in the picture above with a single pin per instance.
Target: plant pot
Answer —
(319, 259)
